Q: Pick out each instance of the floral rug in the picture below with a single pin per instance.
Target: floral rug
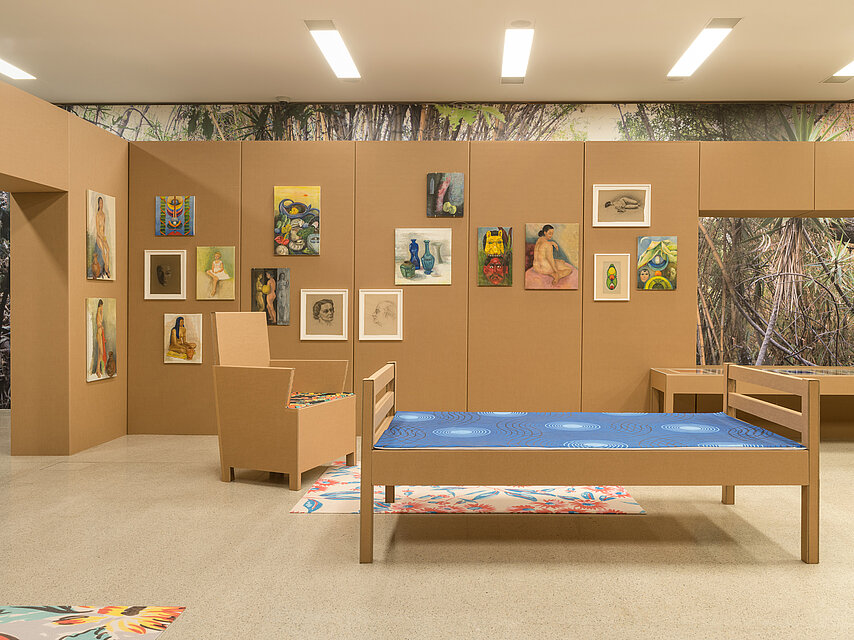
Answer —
(85, 623)
(337, 491)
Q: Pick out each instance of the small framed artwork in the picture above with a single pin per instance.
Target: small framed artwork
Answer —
(494, 257)
(621, 205)
(323, 314)
(175, 215)
(101, 339)
(422, 256)
(380, 314)
(656, 263)
(271, 293)
(551, 255)
(182, 338)
(296, 221)
(446, 195)
(165, 274)
(611, 276)
(215, 273)
(100, 236)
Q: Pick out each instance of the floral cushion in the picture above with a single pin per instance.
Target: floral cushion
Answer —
(300, 400)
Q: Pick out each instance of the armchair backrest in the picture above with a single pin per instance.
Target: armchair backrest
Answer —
(241, 338)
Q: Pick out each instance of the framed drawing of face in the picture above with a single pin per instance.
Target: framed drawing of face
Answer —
(380, 314)
(165, 274)
(323, 314)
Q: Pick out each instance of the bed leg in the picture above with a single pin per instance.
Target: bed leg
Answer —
(389, 493)
(809, 523)
(351, 459)
(728, 494)
(294, 481)
(227, 474)
(366, 522)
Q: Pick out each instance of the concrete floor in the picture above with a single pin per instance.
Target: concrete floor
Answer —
(145, 520)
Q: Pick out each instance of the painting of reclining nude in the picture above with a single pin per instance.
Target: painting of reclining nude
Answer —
(551, 255)
(271, 293)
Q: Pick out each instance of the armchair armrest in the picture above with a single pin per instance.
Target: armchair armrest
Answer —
(319, 376)
(258, 391)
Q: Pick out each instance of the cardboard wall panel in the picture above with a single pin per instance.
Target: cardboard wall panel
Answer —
(524, 346)
(623, 340)
(391, 192)
(40, 315)
(98, 160)
(834, 166)
(330, 165)
(177, 398)
(34, 140)
(756, 178)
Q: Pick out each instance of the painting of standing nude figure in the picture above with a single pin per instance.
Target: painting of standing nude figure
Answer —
(182, 338)
(101, 339)
(551, 255)
(271, 293)
(100, 236)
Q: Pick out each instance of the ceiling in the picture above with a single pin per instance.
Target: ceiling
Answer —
(92, 51)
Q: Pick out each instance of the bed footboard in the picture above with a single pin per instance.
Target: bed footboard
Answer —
(378, 407)
(805, 422)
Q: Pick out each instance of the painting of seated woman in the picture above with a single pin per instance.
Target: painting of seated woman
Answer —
(551, 255)
(182, 338)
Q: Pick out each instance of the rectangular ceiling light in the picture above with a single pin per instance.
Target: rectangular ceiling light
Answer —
(14, 72)
(333, 48)
(702, 47)
(517, 49)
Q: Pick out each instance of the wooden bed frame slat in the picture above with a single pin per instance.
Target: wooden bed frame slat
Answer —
(778, 415)
(657, 467)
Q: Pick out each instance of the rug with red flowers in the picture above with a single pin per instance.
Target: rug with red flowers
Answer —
(337, 491)
(85, 623)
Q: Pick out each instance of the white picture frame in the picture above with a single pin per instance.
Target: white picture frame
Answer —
(600, 289)
(376, 314)
(317, 321)
(604, 195)
(152, 276)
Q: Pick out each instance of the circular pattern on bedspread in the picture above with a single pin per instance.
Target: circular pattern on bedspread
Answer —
(595, 444)
(572, 426)
(414, 416)
(733, 445)
(688, 427)
(461, 432)
(502, 413)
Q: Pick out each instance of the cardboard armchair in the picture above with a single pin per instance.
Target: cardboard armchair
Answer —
(258, 425)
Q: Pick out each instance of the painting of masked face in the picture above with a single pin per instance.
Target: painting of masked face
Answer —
(175, 216)
(495, 256)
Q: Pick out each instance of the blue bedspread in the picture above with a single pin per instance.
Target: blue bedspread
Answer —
(530, 430)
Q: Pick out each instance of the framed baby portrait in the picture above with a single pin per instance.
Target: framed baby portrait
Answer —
(621, 205)
(380, 314)
(165, 274)
(323, 314)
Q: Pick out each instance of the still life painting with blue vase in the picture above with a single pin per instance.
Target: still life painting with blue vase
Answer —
(422, 256)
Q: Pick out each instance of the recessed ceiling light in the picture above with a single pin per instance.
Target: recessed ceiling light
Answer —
(333, 48)
(517, 49)
(708, 40)
(843, 75)
(14, 72)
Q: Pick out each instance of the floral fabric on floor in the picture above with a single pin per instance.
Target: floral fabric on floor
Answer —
(85, 622)
(337, 491)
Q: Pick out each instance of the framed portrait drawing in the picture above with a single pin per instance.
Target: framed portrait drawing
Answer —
(165, 274)
(323, 314)
(611, 276)
(622, 205)
(380, 314)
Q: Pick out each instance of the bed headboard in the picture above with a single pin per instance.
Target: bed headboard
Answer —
(805, 421)
(378, 403)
